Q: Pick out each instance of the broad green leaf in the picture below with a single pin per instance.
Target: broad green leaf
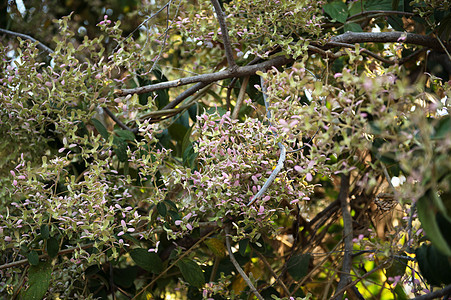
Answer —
(33, 258)
(162, 209)
(177, 131)
(120, 148)
(354, 27)
(186, 139)
(126, 135)
(434, 266)
(149, 261)
(337, 10)
(397, 267)
(45, 232)
(100, 128)
(216, 246)
(298, 266)
(39, 280)
(191, 272)
(242, 246)
(174, 215)
(52, 247)
(125, 277)
(378, 5)
(427, 214)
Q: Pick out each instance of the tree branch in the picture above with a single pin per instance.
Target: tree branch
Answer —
(225, 34)
(207, 78)
(237, 265)
(345, 277)
(437, 294)
(388, 37)
(27, 37)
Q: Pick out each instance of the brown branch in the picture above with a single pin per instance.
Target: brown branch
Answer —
(437, 294)
(225, 34)
(27, 37)
(380, 12)
(239, 100)
(237, 265)
(116, 120)
(388, 37)
(274, 275)
(207, 78)
(345, 277)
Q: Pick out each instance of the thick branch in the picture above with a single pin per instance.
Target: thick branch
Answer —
(388, 37)
(225, 34)
(208, 78)
(437, 294)
(27, 37)
(345, 277)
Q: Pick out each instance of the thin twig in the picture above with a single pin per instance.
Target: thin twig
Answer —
(341, 291)
(363, 50)
(225, 34)
(175, 262)
(345, 277)
(27, 37)
(384, 12)
(116, 120)
(237, 265)
(239, 100)
(274, 275)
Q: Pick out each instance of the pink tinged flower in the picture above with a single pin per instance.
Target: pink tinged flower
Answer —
(254, 189)
(189, 226)
(15, 182)
(298, 169)
(337, 75)
(120, 233)
(8, 239)
(266, 198)
(178, 222)
(309, 177)
(12, 173)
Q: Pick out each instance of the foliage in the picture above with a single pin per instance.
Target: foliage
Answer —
(118, 181)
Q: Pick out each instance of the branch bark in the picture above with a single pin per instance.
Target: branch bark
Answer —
(225, 34)
(437, 294)
(237, 265)
(345, 277)
(389, 37)
(208, 78)
(27, 37)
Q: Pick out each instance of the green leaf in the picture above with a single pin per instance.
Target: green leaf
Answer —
(354, 27)
(120, 148)
(52, 247)
(434, 266)
(39, 280)
(149, 261)
(125, 277)
(162, 209)
(191, 272)
(45, 232)
(100, 128)
(427, 214)
(298, 266)
(174, 215)
(337, 10)
(177, 131)
(242, 246)
(398, 266)
(126, 135)
(216, 246)
(33, 258)
(378, 5)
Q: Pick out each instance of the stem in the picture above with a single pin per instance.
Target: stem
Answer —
(225, 34)
(237, 265)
